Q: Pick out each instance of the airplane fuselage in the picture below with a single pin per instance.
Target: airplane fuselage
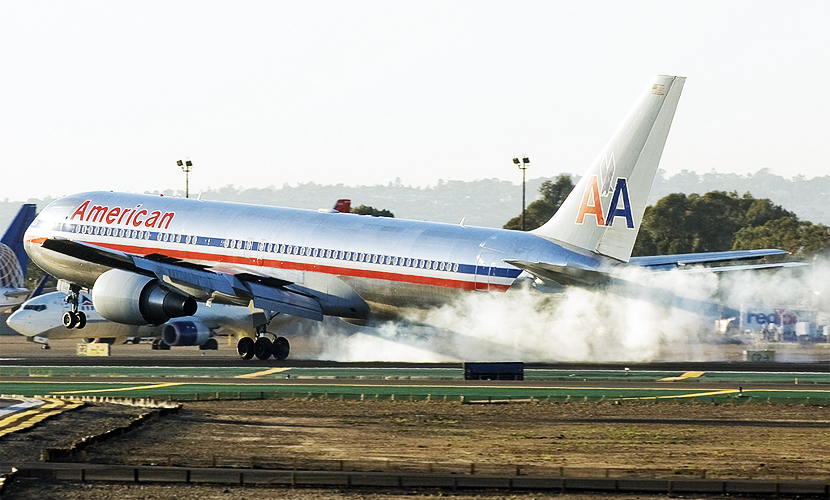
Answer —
(385, 261)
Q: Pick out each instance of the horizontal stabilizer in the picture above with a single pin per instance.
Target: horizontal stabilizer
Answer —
(564, 275)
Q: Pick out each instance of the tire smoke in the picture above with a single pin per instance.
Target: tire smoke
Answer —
(641, 316)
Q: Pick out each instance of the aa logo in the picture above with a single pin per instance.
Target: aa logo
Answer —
(592, 204)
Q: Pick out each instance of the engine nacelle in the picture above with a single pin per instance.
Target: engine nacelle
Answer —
(184, 332)
(133, 299)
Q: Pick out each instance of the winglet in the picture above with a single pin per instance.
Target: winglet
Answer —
(604, 211)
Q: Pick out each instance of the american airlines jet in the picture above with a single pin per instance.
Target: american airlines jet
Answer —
(149, 258)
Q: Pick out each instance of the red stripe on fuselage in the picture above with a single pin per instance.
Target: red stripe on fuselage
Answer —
(219, 259)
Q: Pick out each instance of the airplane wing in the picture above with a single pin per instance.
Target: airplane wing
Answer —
(269, 294)
(573, 276)
(678, 261)
(16, 293)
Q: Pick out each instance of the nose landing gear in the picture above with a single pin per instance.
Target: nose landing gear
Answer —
(74, 318)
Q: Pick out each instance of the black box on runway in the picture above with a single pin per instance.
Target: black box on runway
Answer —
(495, 371)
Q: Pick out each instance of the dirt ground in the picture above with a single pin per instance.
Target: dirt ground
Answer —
(729, 441)
(71, 491)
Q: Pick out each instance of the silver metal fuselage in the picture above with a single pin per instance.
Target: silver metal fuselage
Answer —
(390, 262)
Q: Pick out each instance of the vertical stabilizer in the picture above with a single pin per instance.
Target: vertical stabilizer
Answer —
(13, 238)
(13, 258)
(343, 205)
(604, 211)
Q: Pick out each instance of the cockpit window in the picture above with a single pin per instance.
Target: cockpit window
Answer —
(35, 307)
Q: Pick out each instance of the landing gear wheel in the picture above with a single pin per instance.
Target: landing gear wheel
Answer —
(163, 346)
(81, 319)
(281, 348)
(155, 345)
(245, 347)
(209, 345)
(263, 348)
(70, 319)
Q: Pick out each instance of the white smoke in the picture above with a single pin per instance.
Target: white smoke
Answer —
(644, 316)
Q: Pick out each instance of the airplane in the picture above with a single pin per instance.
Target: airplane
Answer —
(151, 258)
(14, 260)
(36, 320)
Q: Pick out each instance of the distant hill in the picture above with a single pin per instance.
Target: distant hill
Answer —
(808, 198)
(492, 202)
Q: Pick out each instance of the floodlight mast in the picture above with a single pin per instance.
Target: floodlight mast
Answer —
(186, 166)
(523, 164)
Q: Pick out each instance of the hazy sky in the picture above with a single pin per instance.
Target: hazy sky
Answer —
(108, 95)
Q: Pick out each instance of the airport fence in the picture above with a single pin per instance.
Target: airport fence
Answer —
(479, 397)
(383, 465)
(773, 488)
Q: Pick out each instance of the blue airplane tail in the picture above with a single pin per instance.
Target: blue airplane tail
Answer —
(14, 234)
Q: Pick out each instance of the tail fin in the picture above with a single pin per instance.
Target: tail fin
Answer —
(14, 234)
(604, 211)
(343, 205)
(11, 272)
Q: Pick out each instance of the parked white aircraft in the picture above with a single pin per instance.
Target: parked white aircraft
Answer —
(39, 319)
(151, 258)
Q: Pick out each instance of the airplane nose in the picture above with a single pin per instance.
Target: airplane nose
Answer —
(20, 321)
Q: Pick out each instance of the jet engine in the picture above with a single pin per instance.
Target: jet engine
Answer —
(184, 333)
(134, 299)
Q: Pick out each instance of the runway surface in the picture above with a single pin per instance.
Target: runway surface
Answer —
(187, 374)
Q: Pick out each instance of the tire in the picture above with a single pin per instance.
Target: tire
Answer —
(281, 348)
(81, 320)
(163, 346)
(70, 319)
(263, 348)
(210, 345)
(245, 347)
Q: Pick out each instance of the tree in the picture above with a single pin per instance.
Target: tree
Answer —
(663, 230)
(712, 220)
(801, 238)
(720, 221)
(541, 210)
(367, 210)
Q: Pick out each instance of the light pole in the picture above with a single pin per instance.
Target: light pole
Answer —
(187, 166)
(523, 164)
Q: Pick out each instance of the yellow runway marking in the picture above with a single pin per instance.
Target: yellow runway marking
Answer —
(134, 388)
(682, 377)
(263, 372)
(29, 418)
(693, 395)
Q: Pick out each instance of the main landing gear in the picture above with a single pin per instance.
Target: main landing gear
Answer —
(263, 347)
(74, 318)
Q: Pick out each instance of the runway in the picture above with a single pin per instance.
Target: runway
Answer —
(190, 374)
(219, 392)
